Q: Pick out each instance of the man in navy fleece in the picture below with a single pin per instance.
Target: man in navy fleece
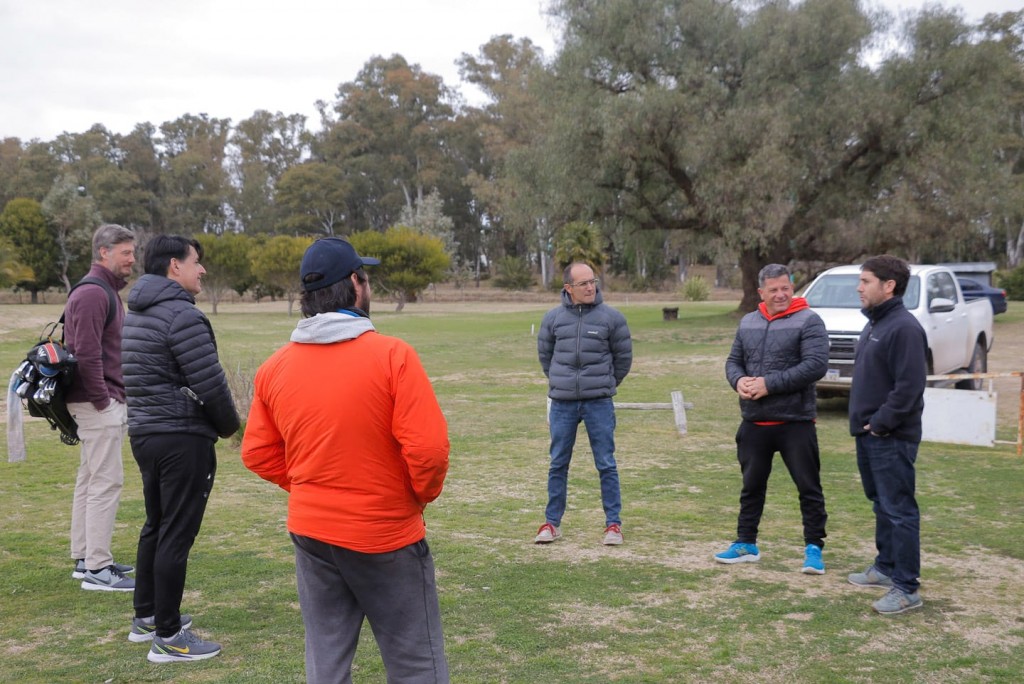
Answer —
(886, 403)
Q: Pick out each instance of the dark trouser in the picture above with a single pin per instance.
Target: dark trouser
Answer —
(177, 477)
(887, 472)
(755, 449)
(394, 591)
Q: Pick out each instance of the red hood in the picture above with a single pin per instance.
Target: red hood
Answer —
(797, 304)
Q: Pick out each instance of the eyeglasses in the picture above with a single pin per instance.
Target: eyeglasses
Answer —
(584, 283)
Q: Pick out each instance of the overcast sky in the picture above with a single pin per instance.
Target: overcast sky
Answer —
(67, 64)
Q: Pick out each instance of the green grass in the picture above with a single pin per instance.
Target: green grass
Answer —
(656, 609)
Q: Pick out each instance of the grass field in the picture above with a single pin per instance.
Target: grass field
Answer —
(656, 609)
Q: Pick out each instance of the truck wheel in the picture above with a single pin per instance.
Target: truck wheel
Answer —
(979, 364)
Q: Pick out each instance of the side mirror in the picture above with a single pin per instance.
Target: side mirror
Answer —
(941, 305)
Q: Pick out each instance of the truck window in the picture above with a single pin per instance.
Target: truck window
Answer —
(835, 292)
(941, 285)
(840, 292)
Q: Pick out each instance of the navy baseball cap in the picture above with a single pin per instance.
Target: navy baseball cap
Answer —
(328, 261)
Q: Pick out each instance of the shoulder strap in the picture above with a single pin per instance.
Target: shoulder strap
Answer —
(111, 295)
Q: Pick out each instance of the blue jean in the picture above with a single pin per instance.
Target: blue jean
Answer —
(887, 473)
(598, 416)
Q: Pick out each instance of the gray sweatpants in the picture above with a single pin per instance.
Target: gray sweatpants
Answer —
(394, 591)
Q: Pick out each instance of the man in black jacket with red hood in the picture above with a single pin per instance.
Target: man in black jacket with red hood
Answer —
(780, 352)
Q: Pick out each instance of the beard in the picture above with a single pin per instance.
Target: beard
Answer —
(363, 301)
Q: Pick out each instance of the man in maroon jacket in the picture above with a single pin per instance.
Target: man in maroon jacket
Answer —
(96, 400)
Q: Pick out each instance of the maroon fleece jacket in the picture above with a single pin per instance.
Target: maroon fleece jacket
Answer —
(97, 347)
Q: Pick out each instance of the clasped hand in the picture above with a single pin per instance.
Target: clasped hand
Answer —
(751, 388)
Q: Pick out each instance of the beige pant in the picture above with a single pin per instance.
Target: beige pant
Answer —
(99, 483)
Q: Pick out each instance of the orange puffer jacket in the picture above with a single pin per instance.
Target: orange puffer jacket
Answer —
(346, 420)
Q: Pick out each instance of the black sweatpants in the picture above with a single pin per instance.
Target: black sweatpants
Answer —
(756, 446)
(177, 477)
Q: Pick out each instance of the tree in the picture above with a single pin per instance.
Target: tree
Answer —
(226, 259)
(759, 129)
(410, 261)
(72, 217)
(506, 183)
(312, 198)
(34, 254)
(26, 170)
(12, 271)
(196, 185)
(276, 263)
(388, 127)
(265, 146)
(579, 242)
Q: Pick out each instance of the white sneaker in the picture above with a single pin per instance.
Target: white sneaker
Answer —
(612, 535)
(546, 534)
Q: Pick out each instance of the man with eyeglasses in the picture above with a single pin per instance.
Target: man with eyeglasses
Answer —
(586, 351)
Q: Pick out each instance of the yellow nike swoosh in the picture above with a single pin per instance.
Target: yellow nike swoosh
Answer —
(183, 651)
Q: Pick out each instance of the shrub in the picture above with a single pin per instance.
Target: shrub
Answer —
(1012, 282)
(696, 289)
(513, 274)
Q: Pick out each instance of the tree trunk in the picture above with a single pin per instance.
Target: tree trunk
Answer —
(750, 265)
(1015, 248)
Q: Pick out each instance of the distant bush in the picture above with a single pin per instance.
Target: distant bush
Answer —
(696, 289)
(513, 274)
(1012, 282)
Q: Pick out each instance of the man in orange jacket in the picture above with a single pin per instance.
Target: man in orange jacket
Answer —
(346, 421)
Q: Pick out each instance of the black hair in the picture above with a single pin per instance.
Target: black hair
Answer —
(887, 267)
(340, 295)
(161, 249)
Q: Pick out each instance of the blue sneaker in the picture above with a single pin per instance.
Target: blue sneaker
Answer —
(813, 565)
(739, 553)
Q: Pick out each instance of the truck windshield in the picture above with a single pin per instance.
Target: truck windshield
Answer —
(840, 292)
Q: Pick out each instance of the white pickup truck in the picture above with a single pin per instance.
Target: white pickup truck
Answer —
(959, 331)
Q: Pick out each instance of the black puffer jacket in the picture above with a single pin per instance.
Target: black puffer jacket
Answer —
(790, 352)
(167, 344)
(584, 349)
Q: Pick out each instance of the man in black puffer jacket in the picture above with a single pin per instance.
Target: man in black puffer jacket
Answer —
(585, 349)
(780, 352)
(178, 405)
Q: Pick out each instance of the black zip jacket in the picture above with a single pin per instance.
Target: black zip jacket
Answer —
(889, 373)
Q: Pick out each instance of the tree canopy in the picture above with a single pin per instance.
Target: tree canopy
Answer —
(681, 131)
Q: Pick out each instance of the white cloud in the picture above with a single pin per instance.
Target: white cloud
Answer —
(67, 64)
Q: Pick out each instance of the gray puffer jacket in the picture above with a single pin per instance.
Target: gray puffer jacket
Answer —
(167, 344)
(584, 349)
(790, 352)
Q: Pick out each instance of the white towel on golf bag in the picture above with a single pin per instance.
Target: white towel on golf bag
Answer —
(15, 427)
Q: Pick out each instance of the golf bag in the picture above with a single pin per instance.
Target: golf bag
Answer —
(42, 379)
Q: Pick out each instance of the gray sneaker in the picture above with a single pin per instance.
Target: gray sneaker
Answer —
(79, 571)
(107, 579)
(182, 647)
(897, 601)
(871, 577)
(144, 629)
